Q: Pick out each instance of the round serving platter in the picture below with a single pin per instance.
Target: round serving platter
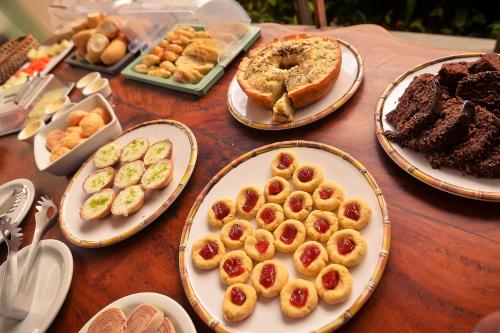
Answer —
(253, 115)
(204, 289)
(446, 179)
(114, 229)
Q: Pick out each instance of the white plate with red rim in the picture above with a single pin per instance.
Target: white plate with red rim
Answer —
(114, 229)
(172, 310)
(204, 289)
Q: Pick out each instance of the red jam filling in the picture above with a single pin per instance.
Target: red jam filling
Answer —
(305, 175)
(285, 161)
(298, 298)
(262, 246)
(321, 225)
(288, 235)
(209, 250)
(330, 279)
(221, 210)
(310, 254)
(352, 211)
(251, 198)
(235, 232)
(267, 275)
(267, 215)
(233, 267)
(296, 204)
(275, 188)
(325, 194)
(238, 297)
(345, 245)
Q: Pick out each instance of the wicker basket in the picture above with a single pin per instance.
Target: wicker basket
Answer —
(14, 54)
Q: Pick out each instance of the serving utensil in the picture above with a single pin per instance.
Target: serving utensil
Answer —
(11, 202)
(10, 273)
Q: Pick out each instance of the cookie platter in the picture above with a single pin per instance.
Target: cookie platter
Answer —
(208, 289)
(136, 191)
(456, 180)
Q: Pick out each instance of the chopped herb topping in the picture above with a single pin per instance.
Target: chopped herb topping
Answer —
(98, 202)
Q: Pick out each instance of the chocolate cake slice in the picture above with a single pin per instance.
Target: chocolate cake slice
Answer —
(450, 74)
(418, 107)
(489, 167)
(482, 88)
(488, 62)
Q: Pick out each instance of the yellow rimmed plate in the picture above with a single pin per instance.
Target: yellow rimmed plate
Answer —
(446, 179)
(204, 289)
(253, 115)
(114, 229)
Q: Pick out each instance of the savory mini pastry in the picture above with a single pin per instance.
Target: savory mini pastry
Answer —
(71, 140)
(307, 177)
(98, 205)
(128, 201)
(129, 174)
(221, 212)
(346, 247)
(91, 123)
(289, 235)
(239, 302)
(269, 277)
(284, 164)
(158, 175)
(134, 150)
(145, 318)
(320, 225)
(54, 138)
(104, 114)
(298, 205)
(111, 320)
(235, 267)
(328, 196)
(334, 284)
(234, 233)
(310, 258)
(276, 190)
(98, 180)
(249, 201)
(207, 252)
(107, 155)
(298, 298)
(161, 150)
(260, 245)
(269, 216)
(354, 214)
(74, 118)
(58, 151)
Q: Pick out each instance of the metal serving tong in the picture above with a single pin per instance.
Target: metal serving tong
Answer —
(10, 271)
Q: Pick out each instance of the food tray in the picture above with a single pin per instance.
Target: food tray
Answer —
(74, 60)
(202, 87)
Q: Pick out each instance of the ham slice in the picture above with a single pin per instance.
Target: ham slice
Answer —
(144, 319)
(166, 326)
(111, 320)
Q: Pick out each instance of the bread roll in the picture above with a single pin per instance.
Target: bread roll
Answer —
(80, 39)
(103, 113)
(58, 151)
(91, 124)
(109, 27)
(71, 140)
(115, 51)
(54, 138)
(96, 46)
(94, 19)
(75, 117)
(78, 25)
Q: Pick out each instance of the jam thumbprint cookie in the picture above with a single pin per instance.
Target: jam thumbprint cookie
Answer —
(320, 225)
(328, 196)
(235, 267)
(270, 216)
(276, 190)
(346, 247)
(310, 258)
(354, 214)
(249, 201)
(207, 252)
(239, 302)
(234, 233)
(298, 205)
(284, 164)
(269, 277)
(307, 177)
(260, 245)
(221, 212)
(289, 236)
(298, 298)
(334, 284)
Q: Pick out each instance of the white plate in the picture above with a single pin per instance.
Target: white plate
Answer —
(446, 179)
(172, 310)
(55, 60)
(54, 265)
(24, 206)
(204, 288)
(114, 228)
(253, 115)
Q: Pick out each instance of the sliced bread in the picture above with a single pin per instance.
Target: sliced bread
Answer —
(158, 175)
(161, 150)
(98, 180)
(134, 150)
(128, 201)
(129, 174)
(98, 205)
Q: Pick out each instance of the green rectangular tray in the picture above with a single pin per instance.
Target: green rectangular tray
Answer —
(202, 87)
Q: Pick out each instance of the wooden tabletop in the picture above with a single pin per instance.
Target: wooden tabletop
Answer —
(443, 273)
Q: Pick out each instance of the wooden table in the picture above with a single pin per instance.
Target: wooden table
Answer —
(443, 273)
